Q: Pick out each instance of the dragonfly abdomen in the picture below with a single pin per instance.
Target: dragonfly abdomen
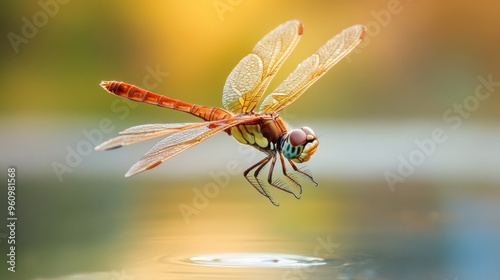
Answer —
(141, 95)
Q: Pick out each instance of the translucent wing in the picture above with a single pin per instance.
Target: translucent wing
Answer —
(144, 132)
(313, 68)
(249, 79)
(180, 141)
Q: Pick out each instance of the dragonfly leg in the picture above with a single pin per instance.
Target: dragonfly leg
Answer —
(278, 185)
(256, 176)
(290, 178)
(302, 172)
(256, 184)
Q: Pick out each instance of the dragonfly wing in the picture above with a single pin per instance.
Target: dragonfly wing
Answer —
(251, 76)
(180, 141)
(144, 132)
(313, 68)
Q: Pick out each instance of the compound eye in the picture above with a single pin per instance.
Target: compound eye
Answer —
(298, 137)
(310, 133)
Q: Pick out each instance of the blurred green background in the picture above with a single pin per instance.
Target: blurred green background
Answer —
(420, 59)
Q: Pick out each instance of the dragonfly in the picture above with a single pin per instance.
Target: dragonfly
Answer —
(245, 86)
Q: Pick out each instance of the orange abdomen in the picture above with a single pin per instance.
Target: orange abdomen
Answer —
(141, 95)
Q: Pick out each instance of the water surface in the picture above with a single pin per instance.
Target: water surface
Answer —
(338, 230)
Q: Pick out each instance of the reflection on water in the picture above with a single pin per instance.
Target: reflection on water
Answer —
(256, 260)
(338, 230)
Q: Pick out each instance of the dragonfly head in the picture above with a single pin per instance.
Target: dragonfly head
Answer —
(299, 144)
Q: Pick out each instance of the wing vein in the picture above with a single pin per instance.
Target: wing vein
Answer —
(313, 68)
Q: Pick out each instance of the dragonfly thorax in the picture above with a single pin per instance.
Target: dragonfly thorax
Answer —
(264, 133)
(299, 144)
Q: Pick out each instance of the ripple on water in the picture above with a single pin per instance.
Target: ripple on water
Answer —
(255, 260)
